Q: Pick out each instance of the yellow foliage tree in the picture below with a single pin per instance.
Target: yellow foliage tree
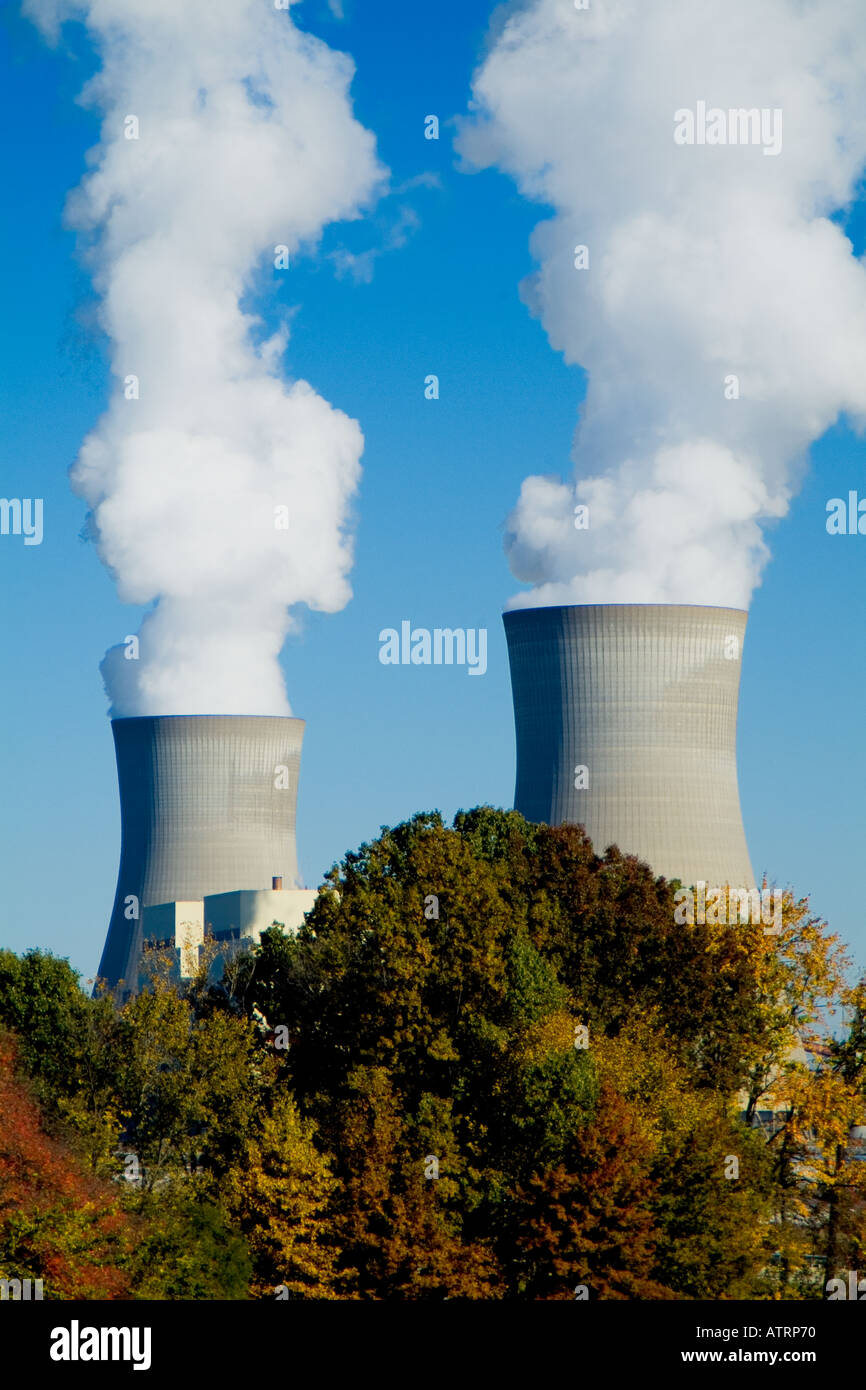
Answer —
(280, 1198)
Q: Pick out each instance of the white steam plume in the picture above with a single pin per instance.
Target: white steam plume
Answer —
(705, 262)
(246, 142)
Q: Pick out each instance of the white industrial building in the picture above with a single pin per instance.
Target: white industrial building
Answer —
(233, 921)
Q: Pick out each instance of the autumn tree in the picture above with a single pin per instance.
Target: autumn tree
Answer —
(711, 1178)
(57, 1223)
(280, 1195)
(493, 1063)
(401, 1214)
(584, 1227)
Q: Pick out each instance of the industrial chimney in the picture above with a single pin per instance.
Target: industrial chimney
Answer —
(207, 806)
(626, 721)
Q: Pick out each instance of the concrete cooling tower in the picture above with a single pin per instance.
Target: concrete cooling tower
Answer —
(207, 806)
(626, 722)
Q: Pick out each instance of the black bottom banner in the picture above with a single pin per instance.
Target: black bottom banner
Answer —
(411, 1342)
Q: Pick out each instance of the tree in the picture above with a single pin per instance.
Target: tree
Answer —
(186, 1250)
(57, 1223)
(401, 1218)
(588, 1220)
(710, 1173)
(280, 1195)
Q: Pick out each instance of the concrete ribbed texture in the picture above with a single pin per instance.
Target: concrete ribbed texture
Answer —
(645, 697)
(200, 814)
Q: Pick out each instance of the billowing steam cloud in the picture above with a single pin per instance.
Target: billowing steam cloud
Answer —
(222, 492)
(722, 316)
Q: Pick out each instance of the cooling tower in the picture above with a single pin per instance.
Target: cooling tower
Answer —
(626, 722)
(207, 805)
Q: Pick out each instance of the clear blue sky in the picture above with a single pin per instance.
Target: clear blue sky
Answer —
(439, 479)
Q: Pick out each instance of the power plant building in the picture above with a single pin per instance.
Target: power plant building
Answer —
(231, 921)
(626, 722)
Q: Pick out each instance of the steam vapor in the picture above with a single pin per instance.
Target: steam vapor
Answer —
(246, 142)
(706, 263)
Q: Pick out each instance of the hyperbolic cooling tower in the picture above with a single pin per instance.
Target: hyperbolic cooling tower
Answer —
(637, 705)
(207, 805)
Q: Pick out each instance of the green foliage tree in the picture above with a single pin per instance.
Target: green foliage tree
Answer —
(186, 1250)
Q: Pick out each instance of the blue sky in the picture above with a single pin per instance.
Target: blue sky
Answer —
(439, 479)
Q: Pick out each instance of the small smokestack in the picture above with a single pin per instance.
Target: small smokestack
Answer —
(626, 722)
(276, 883)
